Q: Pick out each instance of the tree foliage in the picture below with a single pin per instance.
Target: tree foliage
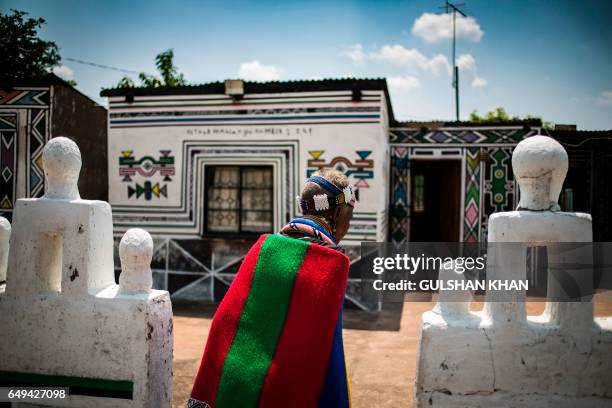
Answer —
(496, 115)
(126, 82)
(168, 72)
(23, 54)
(499, 114)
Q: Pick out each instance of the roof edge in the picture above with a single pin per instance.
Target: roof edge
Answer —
(313, 85)
(534, 122)
(251, 87)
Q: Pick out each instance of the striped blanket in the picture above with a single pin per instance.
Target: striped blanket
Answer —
(276, 338)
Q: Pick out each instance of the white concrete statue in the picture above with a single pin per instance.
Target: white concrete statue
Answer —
(539, 164)
(136, 252)
(500, 356)
(62, 163)
(63, 317)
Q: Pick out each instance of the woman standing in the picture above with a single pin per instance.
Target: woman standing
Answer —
(276, 338)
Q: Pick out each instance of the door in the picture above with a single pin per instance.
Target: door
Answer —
(436, 201)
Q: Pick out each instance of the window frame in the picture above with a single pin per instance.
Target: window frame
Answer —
(240, 233)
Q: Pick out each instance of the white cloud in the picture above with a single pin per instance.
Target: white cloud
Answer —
(254, 71)
(63, 72)
(466, 62)
(581, 99)
(355, 53)
(403, 57)
(439, 64)
(399, 55)
(478, 82)
(411, 57)
(437, 27)
(404, 83)
(605, 98)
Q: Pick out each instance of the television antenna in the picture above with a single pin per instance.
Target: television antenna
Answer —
(454, 9)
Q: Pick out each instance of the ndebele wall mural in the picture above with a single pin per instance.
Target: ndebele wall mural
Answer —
(206, 172)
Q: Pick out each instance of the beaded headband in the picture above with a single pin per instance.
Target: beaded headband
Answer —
(322, 202)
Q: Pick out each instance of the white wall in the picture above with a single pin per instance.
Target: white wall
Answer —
(283, 144)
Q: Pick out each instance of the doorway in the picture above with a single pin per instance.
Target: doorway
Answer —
(436, 201)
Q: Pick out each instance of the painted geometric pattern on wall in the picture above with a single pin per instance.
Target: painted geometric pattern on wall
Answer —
(146, 166)
(148, 190)
(471, 216)
(37, 137)
(25, 97)
(360, 170)
(499, 186)
(399, 217)
(459, 136)
(8, 162)
(185, 218)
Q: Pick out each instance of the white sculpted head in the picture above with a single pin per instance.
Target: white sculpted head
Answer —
(62, 163)
(540, 164)
(136, 253)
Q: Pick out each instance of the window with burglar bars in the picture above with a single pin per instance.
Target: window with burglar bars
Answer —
(239, 199)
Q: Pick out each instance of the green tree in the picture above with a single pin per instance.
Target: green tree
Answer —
(167, 70)
(169, 73)
(23, 54)
(126, 82)
(499, 114)
(149, 81)
(496, 115)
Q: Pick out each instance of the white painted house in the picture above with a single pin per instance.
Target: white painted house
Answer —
(206, 169)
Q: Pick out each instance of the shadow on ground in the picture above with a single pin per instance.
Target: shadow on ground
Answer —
(189, 308)
(388, 319)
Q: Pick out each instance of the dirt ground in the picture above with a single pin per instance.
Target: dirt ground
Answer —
(380, 350)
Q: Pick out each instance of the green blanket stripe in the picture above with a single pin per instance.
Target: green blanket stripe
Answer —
(66, 381)
(261, 322)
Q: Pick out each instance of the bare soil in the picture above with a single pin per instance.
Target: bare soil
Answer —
(380, 348)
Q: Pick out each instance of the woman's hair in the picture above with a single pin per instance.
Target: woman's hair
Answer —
(311, 189)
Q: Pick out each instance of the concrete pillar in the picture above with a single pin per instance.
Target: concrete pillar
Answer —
(504, 358)
(64, 319)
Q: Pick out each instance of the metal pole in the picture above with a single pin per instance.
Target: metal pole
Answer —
(457, 93)
(455, 70)
(454, 20)
(448, 6)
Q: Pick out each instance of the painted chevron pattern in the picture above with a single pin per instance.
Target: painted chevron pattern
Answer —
(471, 216)
(24, 98)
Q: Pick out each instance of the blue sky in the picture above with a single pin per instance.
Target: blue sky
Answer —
(547, 58)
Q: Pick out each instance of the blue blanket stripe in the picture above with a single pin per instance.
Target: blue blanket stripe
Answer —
(335, 392)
